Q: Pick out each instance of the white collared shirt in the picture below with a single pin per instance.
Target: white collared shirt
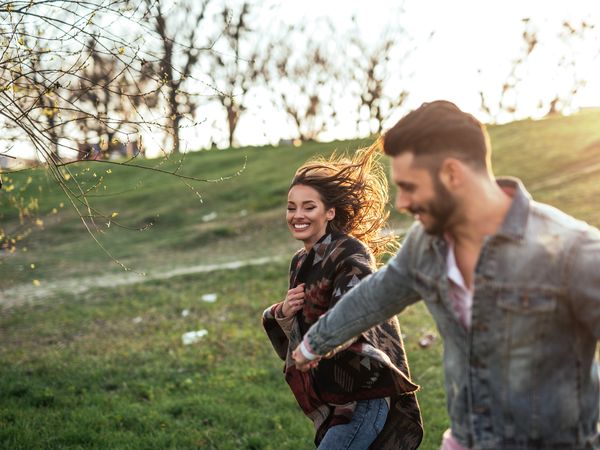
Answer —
(459, 293)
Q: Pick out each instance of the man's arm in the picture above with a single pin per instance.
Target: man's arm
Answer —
(375, 299)
(584, 280)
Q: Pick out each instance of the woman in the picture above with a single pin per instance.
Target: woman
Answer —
(360, 396)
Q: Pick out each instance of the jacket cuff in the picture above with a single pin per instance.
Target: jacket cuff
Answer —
(306, 350)
(278, 311)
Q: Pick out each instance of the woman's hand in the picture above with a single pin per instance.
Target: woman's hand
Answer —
(294, 301)
(303, 364)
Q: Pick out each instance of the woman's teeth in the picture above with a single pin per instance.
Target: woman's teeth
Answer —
(300, 226)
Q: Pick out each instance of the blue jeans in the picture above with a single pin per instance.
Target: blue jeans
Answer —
(367, 422)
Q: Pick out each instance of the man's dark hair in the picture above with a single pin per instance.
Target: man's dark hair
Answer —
(439, 129)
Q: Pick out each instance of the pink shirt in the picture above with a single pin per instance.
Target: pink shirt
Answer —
(449, 443)
(459, 293)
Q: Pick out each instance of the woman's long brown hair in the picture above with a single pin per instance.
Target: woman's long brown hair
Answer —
(357, 188)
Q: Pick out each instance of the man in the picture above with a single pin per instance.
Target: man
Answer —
(513, 285)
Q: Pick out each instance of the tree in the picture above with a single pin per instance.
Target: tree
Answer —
(41, 57)
(232, 70)
(571, 36)
(178, 33)
(113, 93)
(507, 101)
(50, 92)
(563, 63)
(304, 78)
(370, 68)
(44, 58)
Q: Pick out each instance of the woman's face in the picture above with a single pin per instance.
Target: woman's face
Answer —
(307, 216)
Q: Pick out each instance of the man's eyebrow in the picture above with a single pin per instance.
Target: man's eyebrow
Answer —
(404, 184)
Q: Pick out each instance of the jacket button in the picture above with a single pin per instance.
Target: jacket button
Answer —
(478, 326)
(480, 409)
(477, 364)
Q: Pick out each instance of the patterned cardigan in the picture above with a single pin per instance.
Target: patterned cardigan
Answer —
(373, 365)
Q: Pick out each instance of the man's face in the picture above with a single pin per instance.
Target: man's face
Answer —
(420, 194)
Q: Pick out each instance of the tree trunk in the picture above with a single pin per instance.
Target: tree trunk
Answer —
(174, 117)
(232, 120)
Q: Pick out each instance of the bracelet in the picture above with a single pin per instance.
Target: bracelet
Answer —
(306, 352)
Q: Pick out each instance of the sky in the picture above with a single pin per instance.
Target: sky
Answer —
(464, 46)
(485, 35)
(467, 35)
(461, 47)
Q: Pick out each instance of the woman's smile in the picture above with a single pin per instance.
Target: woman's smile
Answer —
(307, 215)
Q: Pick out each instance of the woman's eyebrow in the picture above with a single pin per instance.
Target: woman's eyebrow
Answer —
(304, 202)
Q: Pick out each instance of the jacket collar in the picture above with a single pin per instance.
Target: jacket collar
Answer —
(317, 253)
(321, 245)
(515, 221)
(514, 224)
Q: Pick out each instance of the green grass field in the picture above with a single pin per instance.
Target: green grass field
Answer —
(105, 367)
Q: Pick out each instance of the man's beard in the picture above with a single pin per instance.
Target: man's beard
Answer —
(440, 209)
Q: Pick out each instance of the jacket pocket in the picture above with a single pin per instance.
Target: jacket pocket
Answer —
(527, 302)
(538, 389)
(527, 318)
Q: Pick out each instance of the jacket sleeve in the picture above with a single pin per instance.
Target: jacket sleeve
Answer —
(278, 331)
(584, 280)
(375, 299)
(286, 323)
(275, 333)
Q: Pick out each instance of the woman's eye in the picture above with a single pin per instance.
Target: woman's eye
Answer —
(291, 209)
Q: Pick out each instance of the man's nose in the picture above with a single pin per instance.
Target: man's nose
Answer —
(402, 201)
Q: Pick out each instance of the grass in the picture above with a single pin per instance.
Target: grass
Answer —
(107, 369)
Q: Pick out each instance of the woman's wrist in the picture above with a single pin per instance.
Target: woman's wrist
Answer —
(279, 312)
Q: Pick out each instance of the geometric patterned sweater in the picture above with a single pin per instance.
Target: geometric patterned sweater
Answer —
(373, 365)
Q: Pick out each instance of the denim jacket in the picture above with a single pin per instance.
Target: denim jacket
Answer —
(524, 376)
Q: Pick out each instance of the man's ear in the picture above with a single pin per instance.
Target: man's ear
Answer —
(452, 173)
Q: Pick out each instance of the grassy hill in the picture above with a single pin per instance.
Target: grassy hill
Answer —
(557, 158)
(106, 367)
(249, 208)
